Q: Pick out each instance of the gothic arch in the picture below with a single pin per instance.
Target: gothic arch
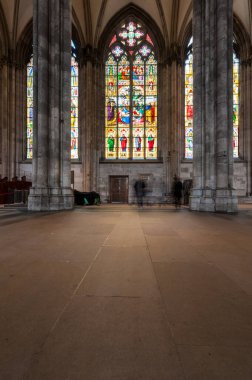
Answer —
(139, 14)
(4, 35)
(242, 44)
(186, 28)
(77, 34)
(184, 40)
(24, 45)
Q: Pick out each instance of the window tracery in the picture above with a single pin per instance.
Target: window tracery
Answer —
(131, 95)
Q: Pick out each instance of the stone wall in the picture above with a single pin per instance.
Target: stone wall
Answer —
(156, 187)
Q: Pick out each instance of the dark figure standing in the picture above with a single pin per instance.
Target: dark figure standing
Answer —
(139, 189)
(177, 191)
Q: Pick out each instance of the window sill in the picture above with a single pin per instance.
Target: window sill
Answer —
(131, 161)
(187, 161)
(76, 162)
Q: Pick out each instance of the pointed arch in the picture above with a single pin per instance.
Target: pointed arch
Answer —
(242, 44)
(24, 45)
(186, 26)
(77, 33)
(131, 91)
(139, 14)
(4, 34)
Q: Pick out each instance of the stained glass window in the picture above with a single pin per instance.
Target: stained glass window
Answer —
(236, 101)
(29, 99)
(131, 95)
(189, 103)
(74, 107)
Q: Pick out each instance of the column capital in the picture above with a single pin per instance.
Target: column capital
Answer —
(90, 54)
(174, 54)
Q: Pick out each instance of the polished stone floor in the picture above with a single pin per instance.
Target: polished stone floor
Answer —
(116, 292)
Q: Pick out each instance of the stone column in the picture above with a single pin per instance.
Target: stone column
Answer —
(52, 98)
(176, 106)
(164, 121)
(89, 80)
(213, 108)
(5, 130)
(246, 98)
(8, 100)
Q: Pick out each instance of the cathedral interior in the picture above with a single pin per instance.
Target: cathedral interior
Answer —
(95, 96)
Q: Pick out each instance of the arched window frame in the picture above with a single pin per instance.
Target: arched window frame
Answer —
(153, 45)
(75, 116)
(28, 133)
(236, 102)
(188, 102)
(236, 153)
(29, 109)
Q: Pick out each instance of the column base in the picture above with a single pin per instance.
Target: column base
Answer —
(50, 199)
(208, 200)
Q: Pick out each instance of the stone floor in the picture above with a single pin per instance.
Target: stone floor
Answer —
(116, 292)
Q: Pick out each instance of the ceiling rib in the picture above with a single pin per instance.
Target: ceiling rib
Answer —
(162, 17)
(99, 22)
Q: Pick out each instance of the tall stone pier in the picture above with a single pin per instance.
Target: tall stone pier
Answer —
(213, 106)
(51, 184)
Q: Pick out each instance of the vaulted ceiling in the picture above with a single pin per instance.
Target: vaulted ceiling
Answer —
(91, 16)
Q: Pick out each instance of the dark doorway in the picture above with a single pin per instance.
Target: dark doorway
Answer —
(119, 189)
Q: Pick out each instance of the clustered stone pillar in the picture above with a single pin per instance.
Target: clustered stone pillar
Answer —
(213, 108)
(89, 82)
(8, 103)
(51, 187)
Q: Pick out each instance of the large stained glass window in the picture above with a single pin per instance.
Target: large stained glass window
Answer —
(131, 95)
(189, 103)
(29, 123)
(236, 101)
(74, 105)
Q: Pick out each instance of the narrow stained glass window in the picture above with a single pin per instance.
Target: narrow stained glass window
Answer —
(189, 103)
(131, 95)
(74, 109)
(29, 125)
(236, 101)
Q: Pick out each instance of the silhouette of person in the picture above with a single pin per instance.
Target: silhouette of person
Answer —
(177, 191)
(140, 190)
